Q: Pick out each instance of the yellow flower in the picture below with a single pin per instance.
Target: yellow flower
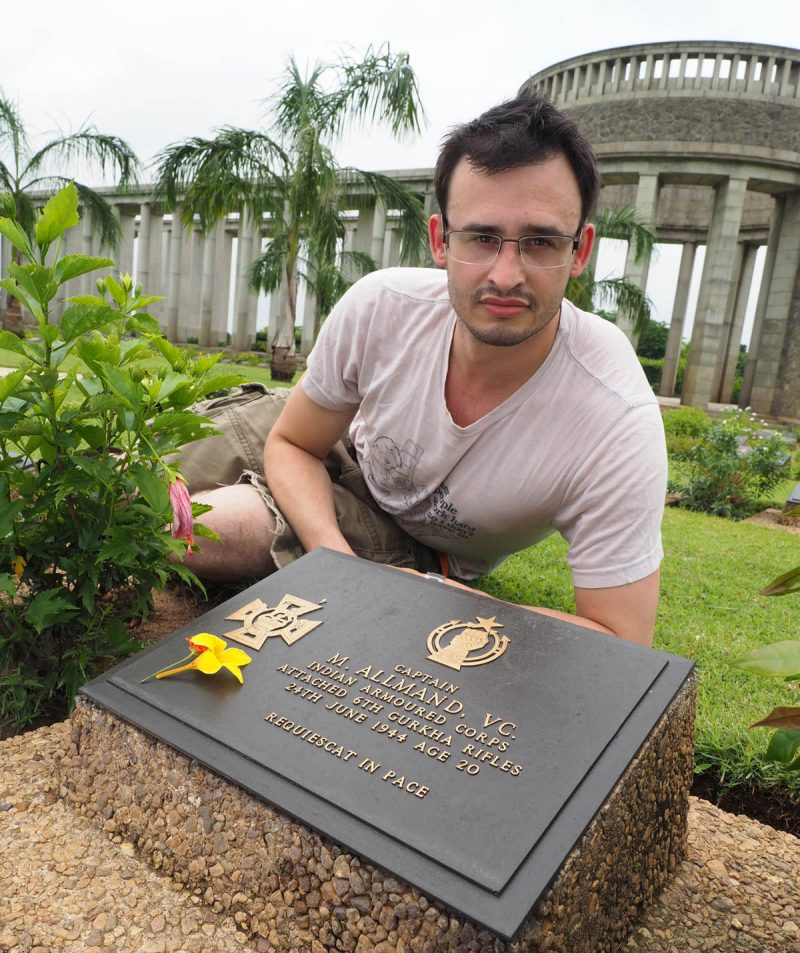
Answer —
(209, 655)
(18, 566)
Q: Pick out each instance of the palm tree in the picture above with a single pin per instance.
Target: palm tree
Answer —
(290, 174)
(609, 296)
(23, 171)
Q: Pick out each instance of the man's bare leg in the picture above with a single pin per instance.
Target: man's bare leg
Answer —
(245, 527)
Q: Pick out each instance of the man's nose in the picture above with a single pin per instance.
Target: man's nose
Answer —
(507, 269)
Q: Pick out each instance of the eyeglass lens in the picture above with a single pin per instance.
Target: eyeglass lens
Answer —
(539, 251)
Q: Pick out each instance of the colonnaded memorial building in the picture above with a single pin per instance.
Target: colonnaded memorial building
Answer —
(703, 138)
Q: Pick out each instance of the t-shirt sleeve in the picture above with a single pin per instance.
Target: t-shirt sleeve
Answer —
(612, 520)
(333, 375)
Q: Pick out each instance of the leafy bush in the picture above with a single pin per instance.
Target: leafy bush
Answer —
(652, 367)
(86, 422)
(733, 466)
(680, 446)
(686, 422)
(652, 341)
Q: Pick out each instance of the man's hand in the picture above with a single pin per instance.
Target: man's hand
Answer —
(297, 478)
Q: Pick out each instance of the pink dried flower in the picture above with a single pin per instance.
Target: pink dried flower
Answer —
(182, 521)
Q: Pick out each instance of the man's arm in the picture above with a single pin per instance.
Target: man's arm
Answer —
(293, 455)
(627, 611)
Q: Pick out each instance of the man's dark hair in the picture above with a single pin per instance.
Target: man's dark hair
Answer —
(527, 130)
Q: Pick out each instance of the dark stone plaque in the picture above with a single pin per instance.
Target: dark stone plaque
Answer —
(462, 743)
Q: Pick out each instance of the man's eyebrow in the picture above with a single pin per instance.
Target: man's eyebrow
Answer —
(528, 229)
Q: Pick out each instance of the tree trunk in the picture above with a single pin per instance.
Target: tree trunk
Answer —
(284, 363)
(12, 320)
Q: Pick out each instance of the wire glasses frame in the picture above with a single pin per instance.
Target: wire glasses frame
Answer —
(536, 251)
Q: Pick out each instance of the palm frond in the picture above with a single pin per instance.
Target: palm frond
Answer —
(298, 103)
(358, 263)
(105, 224)
(108, 152)
(8, 207)
(627, 225)
(268, 270)
(412, 224)
(580, 290)
(624, 297)
(6, 178)
(12, 129)
(378, 88)
(18, 205)
(237, 169)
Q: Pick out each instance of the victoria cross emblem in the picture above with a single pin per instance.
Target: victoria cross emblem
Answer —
(260, 621)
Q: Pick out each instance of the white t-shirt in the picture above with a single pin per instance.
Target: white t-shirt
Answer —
(578, 448)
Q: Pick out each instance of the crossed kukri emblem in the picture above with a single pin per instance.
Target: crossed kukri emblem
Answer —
(259, 621)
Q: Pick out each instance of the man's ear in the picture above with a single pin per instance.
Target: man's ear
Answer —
(436, 236)
(581, 257)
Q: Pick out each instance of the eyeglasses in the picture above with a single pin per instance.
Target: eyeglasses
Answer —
(536, 251)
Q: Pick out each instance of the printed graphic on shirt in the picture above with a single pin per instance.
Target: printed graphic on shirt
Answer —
(442, 516)
(391, 469)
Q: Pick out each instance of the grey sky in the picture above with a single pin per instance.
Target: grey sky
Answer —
(159, 72)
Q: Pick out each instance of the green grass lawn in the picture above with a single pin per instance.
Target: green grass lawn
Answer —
(248, 372)
(710, 612)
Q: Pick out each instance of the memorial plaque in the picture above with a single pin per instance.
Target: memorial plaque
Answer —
(462, 743)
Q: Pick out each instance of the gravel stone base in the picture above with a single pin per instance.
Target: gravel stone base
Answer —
(69, 886)
(286, 885)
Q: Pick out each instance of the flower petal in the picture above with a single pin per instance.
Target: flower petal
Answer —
(234, 657)
(182, 520)
(205, 640)
(208, 663)
(234, 669)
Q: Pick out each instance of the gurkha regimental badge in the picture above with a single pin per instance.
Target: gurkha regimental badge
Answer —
(473, 637)
(260, 621)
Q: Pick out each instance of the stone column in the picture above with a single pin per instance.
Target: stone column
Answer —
(378, 232)
(189, 298)
(176, 240)
(718, 274)
(157, 267)
(244, 258)
(729, 354)
(391, 250)
(143, 247)
(207, 286)
(86, 283)
(222, 284)
(636, 271)
(371, 221)
(669, 372)
(775, 225)
(124, 255)
(776, 376)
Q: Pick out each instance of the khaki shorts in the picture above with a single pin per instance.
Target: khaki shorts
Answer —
(235, 455)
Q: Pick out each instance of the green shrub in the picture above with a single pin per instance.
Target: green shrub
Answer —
(652, 341)
(85, 492)
(733, 465)
(680, 446)
(686, 422)
(652, 367)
